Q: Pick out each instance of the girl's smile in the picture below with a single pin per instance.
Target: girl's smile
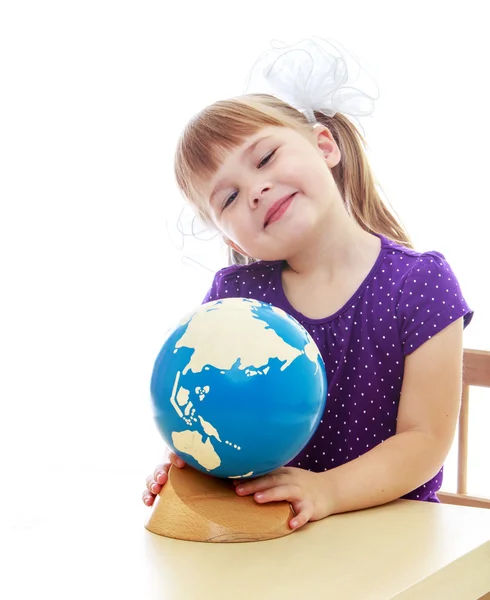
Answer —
(277, 210)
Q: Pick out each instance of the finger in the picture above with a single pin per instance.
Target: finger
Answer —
(260, 484)
(289, 492)
(280, 471)
(148, 498)
(303, 515)
(176, 460)
(152, 486)
(160, 474)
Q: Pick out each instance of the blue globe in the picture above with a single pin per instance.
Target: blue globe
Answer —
(238, 388)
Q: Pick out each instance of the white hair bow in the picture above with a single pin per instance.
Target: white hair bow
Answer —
(313, 75)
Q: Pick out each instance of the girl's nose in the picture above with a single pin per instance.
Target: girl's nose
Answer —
(259, 194)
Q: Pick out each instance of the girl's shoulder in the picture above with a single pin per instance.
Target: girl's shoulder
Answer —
(409, 255)
(405, 264)
(425, 290)
(234, 280)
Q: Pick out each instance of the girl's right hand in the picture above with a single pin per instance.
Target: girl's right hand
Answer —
(155, 482)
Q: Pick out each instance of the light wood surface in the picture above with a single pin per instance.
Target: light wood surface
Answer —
(463, 500)
(197, 507)
(462, 485)
(476, 372)
(92, 543)
(476, 367)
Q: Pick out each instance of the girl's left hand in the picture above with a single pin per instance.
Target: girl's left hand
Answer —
(304, 490)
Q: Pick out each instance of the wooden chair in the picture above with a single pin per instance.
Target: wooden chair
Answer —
(476, 372)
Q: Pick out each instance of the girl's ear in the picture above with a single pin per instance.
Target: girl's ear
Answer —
(327, 145)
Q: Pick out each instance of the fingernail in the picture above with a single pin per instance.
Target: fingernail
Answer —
(159, 477)
(239, 488)
(259, 497)
(154, 487)
(294, 524)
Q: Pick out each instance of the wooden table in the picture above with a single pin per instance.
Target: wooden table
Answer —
(94, 545)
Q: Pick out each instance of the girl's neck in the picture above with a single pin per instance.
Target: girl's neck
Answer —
(319, 282)
(334, 252)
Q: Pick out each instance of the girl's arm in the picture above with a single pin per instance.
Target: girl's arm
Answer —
(427, 417)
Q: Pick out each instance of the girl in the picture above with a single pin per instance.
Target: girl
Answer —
(297, 205)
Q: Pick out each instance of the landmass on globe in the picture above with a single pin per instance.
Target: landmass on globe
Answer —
(248, 342)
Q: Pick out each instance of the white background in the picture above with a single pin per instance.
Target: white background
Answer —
(93, 96)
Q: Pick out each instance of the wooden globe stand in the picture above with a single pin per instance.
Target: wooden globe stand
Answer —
(197, 507)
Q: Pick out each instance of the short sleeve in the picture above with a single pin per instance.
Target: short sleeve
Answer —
(213, 292)
(218, 289)
(430, 300)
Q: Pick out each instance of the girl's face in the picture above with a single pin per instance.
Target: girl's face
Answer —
(275, 191)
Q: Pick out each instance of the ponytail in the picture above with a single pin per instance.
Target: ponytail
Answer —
(356, 183)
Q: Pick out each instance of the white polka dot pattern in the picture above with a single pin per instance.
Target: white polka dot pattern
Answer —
(405, 299)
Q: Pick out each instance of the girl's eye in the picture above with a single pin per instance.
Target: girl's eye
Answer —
(230, 199)
(266, 159)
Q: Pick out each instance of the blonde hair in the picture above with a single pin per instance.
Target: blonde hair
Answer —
(226, 124)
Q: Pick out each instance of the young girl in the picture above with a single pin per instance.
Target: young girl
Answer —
(296, 202)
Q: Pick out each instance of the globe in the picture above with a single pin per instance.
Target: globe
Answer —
(238, 388)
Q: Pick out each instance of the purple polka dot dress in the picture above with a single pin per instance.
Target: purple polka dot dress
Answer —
(406, 298)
